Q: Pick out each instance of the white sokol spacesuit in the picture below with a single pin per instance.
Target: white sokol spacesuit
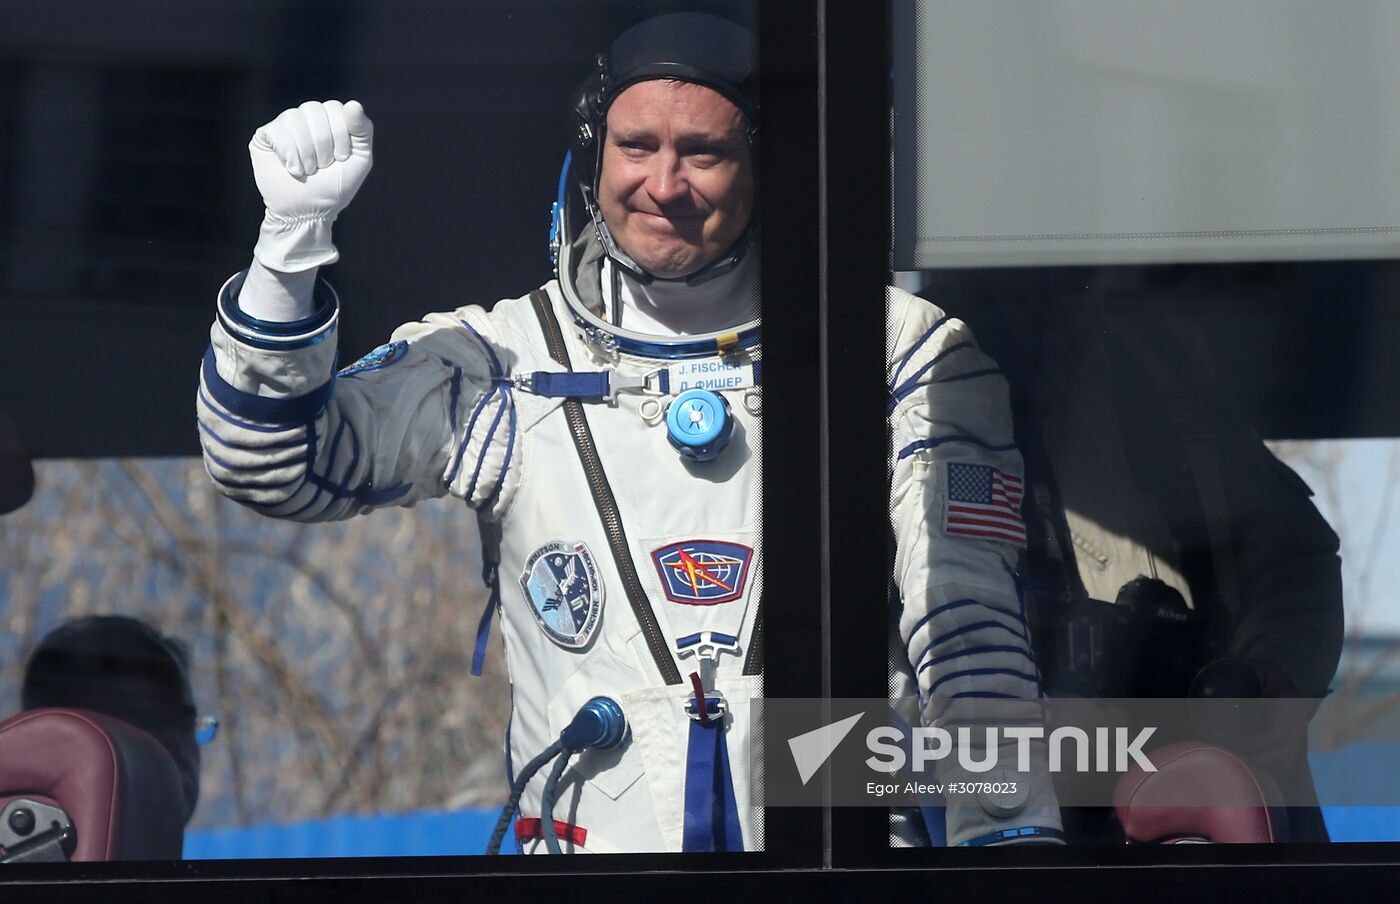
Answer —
(625, 509)
(445, 408)
(955, 508)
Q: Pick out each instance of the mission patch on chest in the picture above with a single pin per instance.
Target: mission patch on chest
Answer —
(703, 572)
(565, 592)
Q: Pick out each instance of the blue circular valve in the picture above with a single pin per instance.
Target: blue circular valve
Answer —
(699, 424)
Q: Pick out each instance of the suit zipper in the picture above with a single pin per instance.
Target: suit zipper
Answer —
(604, 500)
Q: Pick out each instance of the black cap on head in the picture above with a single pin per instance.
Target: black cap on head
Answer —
(691, 47)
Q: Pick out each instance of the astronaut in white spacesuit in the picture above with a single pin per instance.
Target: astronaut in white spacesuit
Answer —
(575, 420)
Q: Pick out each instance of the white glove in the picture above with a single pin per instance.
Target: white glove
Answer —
(308, 163)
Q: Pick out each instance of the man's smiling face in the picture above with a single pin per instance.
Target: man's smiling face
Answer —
(676, 188)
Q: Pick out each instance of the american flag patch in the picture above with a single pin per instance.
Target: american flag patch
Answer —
(984, 503)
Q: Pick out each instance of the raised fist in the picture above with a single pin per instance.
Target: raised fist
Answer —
(308, 163)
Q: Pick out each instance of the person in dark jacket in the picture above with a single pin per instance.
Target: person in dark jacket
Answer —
(124, 668)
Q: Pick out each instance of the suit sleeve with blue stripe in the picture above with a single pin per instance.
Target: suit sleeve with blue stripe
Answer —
(428, 414)
(955, 500)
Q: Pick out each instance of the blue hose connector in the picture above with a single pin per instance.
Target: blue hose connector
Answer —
(599, 723)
